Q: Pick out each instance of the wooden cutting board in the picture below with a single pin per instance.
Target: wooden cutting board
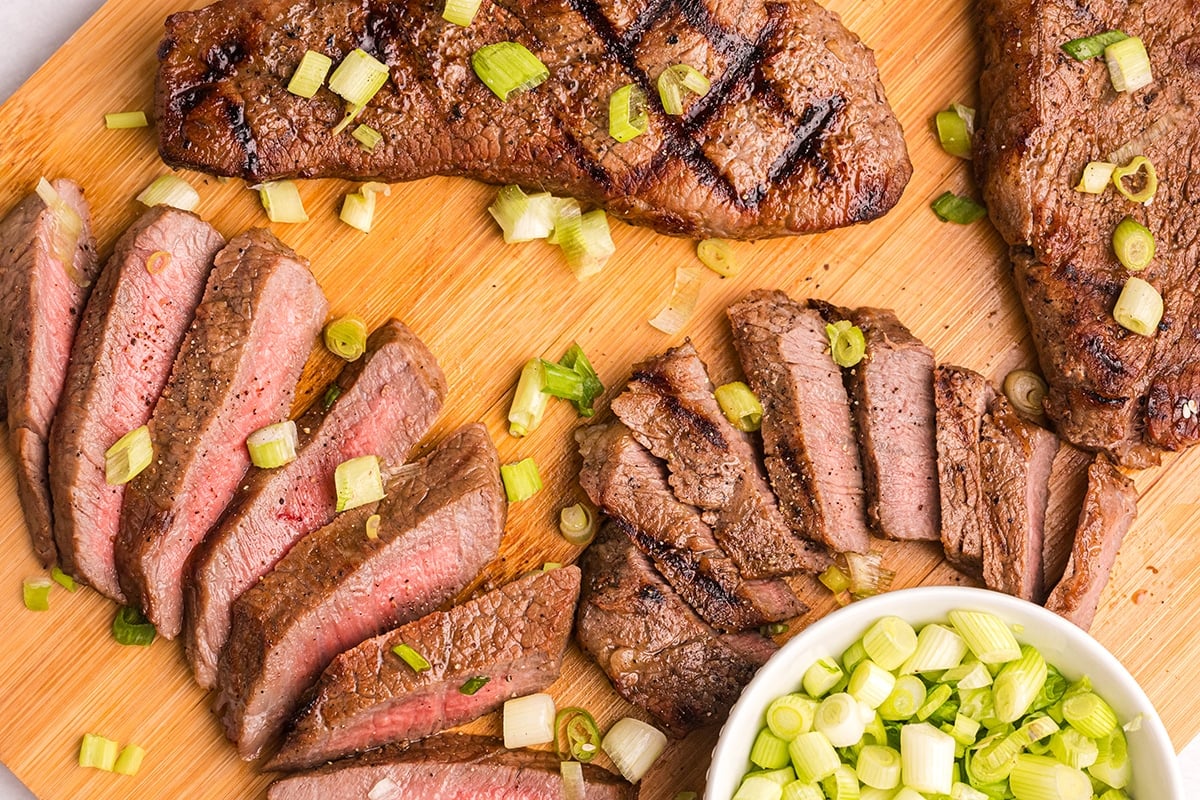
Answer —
(436, 260)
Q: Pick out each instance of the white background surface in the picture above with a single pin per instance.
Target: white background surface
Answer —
(30, 31)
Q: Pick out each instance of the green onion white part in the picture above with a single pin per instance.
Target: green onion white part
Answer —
(938, 648)
(585, 241)
(281, 200)
(1128, 64)
(128, 456)
(170, 190)
(461, 12)
(521, 480)
(627, 116)
(529, 401)
(346, 337)
(35, 592)
(841, 719)
(310, 74)
(358, 482)
(1139, 308)
(508, 67)
(1096, 176)
(273, 446)
(358, 78)
(685, 293)
(528, 720)
(129, 761)
(633, 747)
(98, 752)
(739, 405)
(986, 635)
(889, 642)
(125, 120)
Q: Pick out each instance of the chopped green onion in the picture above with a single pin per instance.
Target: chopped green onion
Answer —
(372, 526)
(564, 209)
(170, 190)
(460, 12)
(97, 752)
(358, 482)
(1043, 778)
(840, 719)
(1149, 184)
(577, 524)
(346, 337)
(773, 629)
(68, 227)
(130, 760)
(1018, 683)
(1139, 308)
(416, 661)
(986, 635)
(575, 359)
(63, 579)
(878, 766)
(927, 758)
(803, 790)
(585, 241)
(529, 401)
(938, 648)
(813, 757)
(521, 480)
(964, 730)
(905, 699)
(1096, 176)
(871, 684)
(330, 397)
(953, 133)
(128, 456)
(281, 200)
(842, 784)
(368, 137)
(684, 295)
(821, 676)
(273, 446)
(1134, 244)
(352, 113)
(573, 785)
(507, 67)
(130, 628)
(1073, 748)
(791, 715)
(310, 74)
(847, 344)
(1026, 390)
(576, 734)
(1089, 714)
(717, 255)
(1088, 47)
(949, 207)
(972, 675)
(758, 787)
(473, 685)
(1128, 64)
(674, 81)
(890, 641)
(524, 217)
(867, 574)
(834, 579)
(627, 116)
(740, 406)
(358, 78)
(563, 382)
(933, 701)
(36, 593)
(125, 120)
(1112, 765)
(633, 747)
(358, 209)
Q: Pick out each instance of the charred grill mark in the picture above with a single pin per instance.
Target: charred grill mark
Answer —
(222, 58)
(701, 425)
(1101, 400)
(665, 553)
(591, 166)
(1094, 345)
(240, 130)
(806, 143)
(635, 32)
(185, 102)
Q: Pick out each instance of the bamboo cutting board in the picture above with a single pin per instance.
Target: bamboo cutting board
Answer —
(437, 261)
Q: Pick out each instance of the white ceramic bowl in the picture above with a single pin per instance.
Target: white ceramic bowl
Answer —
(1155, 766)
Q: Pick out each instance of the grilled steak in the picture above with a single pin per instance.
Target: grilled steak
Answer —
(807, 429)
(236, 372)
(439, 525)
(388, 400)
(962, 397)
(1068, 484)
(795, 135)
(43, 300)
(1043, 116)
(630, 485)
(513, 638)
(1016, 458)
(670, 408)
(1109, 508)
(658, 654)
(448, 767)
(132, 328)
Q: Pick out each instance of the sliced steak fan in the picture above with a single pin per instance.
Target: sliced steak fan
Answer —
(963, 397)
(132, 328)
(794, 136)
(388, 400)
(1068, 486)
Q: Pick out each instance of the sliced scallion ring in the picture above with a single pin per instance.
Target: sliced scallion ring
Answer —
(847, 345)
(367, 137)
(521, 480)
(358, 78)
(460, 12)
(1128, 64)
(281, 200)
(684, 295)
(273, 446)
(1134, 244)
(170, 190)
(1137, 166)
(717, 255)
(577, 524)
(35, 592)
(1026, 390)
(358, 208)
(129, 761)
(674, 81)
(953, 133)
(310, 74)
(63, 579)
(472, 685)
(739, 405)
(1139, 307)
(576, 734)
(524, 217)
(950, 207)
(410, 656)
(130, 628)
(372, 526)
(529, 401)
(358, 481)
(346, 337)
(586, 242)
(124, 120)
(1096, 176)
(128, 456)
(627, 116)
(508, 67)
(1087, 47)
(98, 752)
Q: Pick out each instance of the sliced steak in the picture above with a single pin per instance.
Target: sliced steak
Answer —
(807, 429)
(1109, 508)
(236, 372)
(448, 767)
(440, 524)
(962, 397)
(1017, 457)
(132, 328)
(630, 485)
(388, 400)
(670, 408)
(45, 271)
(514, 638)
(658, 654)
(1043, 116)
(795, 135)
(1068, 485)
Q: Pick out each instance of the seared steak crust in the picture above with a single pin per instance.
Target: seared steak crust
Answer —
(1043, 117)
(795, 135)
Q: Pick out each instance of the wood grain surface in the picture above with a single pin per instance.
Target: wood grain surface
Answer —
(437, 261)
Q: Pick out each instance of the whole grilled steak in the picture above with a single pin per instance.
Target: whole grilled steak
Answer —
(962, 397)
(1043, 117)
(236, 372)
(658, 654)
(449, 767)
(794, 136)
(511, 640)
(807, 428)
(630, 485)
(388, 400)
(132, 328)
(439, 525)
(46, 268)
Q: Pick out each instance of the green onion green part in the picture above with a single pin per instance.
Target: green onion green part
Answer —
(1088, 47)
(273, 446)
(310, 74)
(1134, 244)
(358, 481)
(575, 359)
(473, 685)
(627, 117)
(953, 133)
(1139, 308)
(416, 661)
(834, 579)
(63, 579)
(125, 120)
(358, 78)
(130, 628)
(791, 715)
(740, 406)
(822, 676)
(950, 207)
(576, 734)
(128, 456)
(1128, 64)
(674, 81)
(330, 397)
(346, 337)
(847, 344)
(521, 480)
(508, 67)
(35, 592)
(460, 12)
(769, 751)
(97, 752)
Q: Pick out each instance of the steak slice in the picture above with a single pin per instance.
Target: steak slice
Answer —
(448, 767)
(440, 524)
(807, 429)
(670, 408)
(658, 654)
(630, 485)
(795, 135)
(962, 397)
(1068, 485)
(132, 327)
(513, 637)
(42, 302)
(1043, 116)
(1017, 457)
(388, 400)
(236, 372)
(1109, 508)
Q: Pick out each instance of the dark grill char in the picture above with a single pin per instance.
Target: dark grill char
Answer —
(658, 654)
(962, 397)
(630, 485)
(1043, 116)
(42, 305)
(132, 328)
(389, 399)
(795, 135)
